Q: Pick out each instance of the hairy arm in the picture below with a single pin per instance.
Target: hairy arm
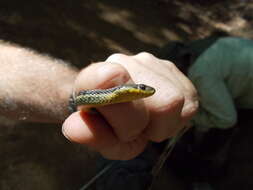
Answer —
(33, 87)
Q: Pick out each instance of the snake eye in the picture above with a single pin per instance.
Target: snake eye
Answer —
(142, 86)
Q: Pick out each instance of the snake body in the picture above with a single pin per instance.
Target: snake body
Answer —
(118, 94)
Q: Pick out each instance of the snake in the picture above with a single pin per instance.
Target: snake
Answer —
(120, 94)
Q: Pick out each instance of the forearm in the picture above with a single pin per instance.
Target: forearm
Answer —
(33, 87)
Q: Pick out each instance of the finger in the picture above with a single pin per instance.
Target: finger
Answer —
(166, 122)
(93, 131)
(167, 104)
(90, 129)
(128, 120)
(175, 77)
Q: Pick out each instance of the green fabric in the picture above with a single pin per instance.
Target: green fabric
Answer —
(223, 77)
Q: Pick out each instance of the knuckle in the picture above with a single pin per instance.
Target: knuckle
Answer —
(190, 110)
(194, 94)
(116, 57)
(145, 55)
(191, 103)
(194, 107)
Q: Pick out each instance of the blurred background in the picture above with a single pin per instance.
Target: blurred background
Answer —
(37, 156)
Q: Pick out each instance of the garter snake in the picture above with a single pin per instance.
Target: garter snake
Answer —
(119, 94)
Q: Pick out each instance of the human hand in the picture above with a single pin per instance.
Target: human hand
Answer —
(123, 130)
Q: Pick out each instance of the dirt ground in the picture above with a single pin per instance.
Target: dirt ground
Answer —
(37, 156)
